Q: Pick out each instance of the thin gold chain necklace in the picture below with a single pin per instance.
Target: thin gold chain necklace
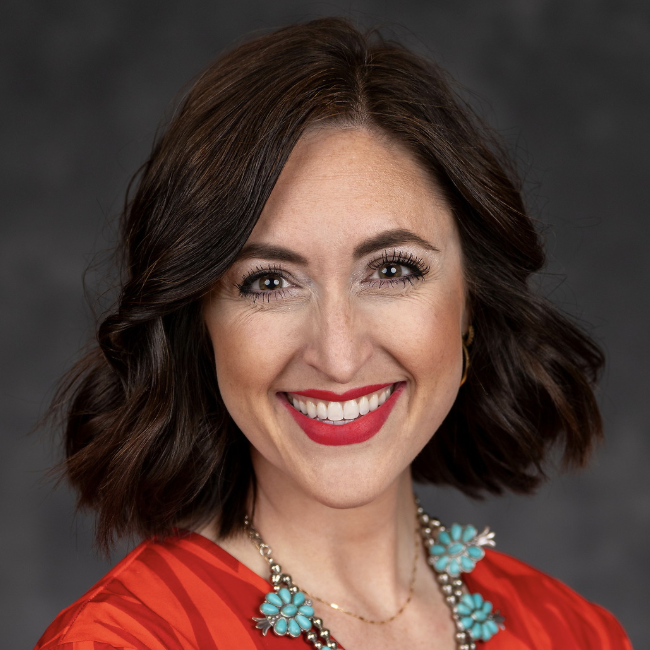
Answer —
(338, 608)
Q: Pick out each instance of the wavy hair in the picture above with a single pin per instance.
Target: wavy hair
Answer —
(149, 442)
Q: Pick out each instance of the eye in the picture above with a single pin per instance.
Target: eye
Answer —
(390, 271)
(264, 283)
(394, 268)
(268, 282)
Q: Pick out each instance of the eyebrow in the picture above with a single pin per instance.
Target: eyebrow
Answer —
(268, 252)
(390, 238)
(386, 239)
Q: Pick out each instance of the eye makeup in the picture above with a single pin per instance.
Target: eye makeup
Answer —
(390, 265)
(271, 283)
(266, 282)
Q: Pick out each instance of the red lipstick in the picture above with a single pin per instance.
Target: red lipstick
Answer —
(328, 396)
(362, 429)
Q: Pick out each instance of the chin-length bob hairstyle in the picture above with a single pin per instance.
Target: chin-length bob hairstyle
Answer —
(149, 442)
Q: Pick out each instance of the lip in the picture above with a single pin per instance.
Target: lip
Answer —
(328, 396)
(352, 433)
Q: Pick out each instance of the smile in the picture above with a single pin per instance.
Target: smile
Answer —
(357, 414)
(339, 412)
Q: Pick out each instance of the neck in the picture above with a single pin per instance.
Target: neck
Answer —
(339, 554)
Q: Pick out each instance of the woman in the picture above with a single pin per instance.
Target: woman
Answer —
(326, 263)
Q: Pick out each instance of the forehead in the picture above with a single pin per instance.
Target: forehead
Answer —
(349, 182)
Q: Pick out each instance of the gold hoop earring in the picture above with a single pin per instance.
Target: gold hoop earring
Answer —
(466, 342)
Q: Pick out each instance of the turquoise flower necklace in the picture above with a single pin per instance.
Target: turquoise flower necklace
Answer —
(289, 611)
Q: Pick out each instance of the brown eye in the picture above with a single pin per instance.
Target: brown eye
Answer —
(269, 282)
(390, 271)
(405, 268)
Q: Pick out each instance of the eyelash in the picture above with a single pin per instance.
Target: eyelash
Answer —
(244, 286)
(417, 266)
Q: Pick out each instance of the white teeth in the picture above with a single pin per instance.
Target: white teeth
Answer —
(335, 411)
(350, 410)
(342, 412)
(364, 405)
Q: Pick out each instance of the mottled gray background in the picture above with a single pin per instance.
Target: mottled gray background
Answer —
(84, 85)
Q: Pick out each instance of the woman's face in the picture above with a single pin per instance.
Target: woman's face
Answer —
(348, 303)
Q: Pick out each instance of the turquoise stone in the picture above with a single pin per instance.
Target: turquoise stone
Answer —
(274, 599)
(298, 598)
(475, 552)
(479, 616)
(456, 531)
(269, 609)
(487, 607)
(467, 622)
(306, 610)
(304, 622)
(454, 568)
(469, 533)
(455, 549)
(475, 631)
(467, 564)
(469, 601)
(437, 549)
(486, 634)
(478, 600)
(285, 594)
(289, 610)
(463, 609)
(444, 538)
(280, 626)
(491, 626)
(294, 628)
(441, 563)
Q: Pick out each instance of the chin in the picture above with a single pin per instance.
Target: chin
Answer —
(351, 484)
(346, 499)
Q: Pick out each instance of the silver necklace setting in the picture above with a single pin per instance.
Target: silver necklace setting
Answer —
(451, 552)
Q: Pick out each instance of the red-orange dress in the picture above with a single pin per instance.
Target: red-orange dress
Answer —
(185, 592)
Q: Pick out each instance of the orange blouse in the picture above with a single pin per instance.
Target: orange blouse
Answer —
(185, 592)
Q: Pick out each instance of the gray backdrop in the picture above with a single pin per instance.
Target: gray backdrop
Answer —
(84, 85)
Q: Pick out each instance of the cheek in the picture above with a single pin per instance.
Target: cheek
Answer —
(425, 340)
(250, 351)
(433, 345)
(424, 335)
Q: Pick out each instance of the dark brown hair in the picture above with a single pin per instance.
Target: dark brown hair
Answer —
(149, 442)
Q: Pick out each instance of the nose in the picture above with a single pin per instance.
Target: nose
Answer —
(339, 343)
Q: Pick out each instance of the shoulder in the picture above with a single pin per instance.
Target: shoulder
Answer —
(540, 611)
(179, 593)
